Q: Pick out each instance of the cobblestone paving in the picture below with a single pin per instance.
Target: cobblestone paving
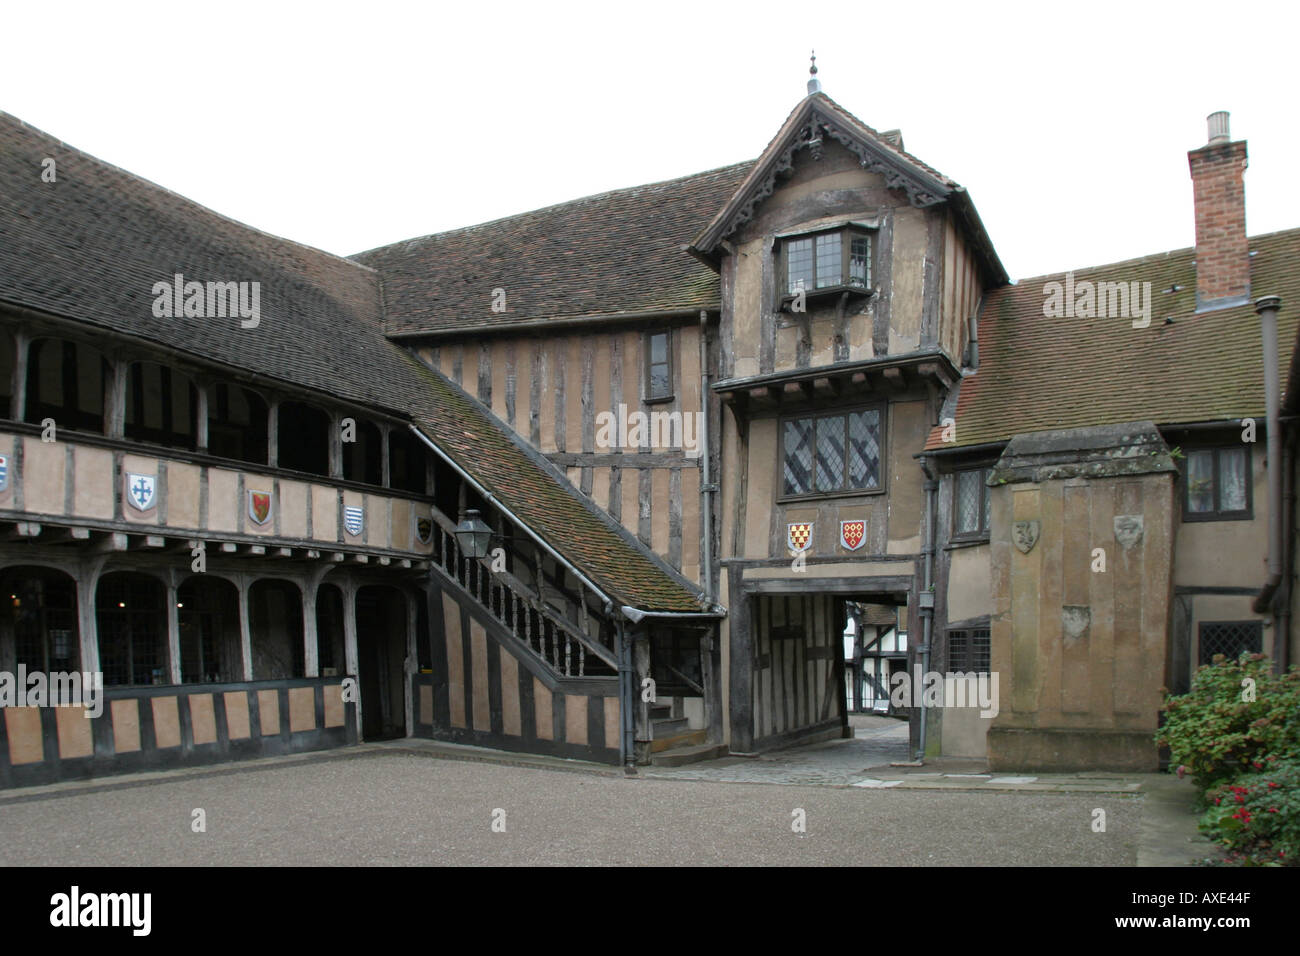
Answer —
(833, 763)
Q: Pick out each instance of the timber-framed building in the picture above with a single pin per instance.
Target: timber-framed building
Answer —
(702, 419)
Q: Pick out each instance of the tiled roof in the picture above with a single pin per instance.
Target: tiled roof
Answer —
(620, 251)
(1038, 372)
(90, 246)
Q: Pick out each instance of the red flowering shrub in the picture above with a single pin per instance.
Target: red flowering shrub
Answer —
(1256, 818)
(1235, 715)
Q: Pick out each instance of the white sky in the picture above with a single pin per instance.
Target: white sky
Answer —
(347, 126)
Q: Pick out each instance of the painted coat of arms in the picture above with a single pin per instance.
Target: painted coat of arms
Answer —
(353, 520)
(259, 506)
(140, 490)
(799, 535)
(853, 533)
(423, 528)
(4, 472)
(1024, 535)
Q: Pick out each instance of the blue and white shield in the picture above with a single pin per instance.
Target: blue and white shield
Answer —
(4, 472)
(353, 519)
(140, 490)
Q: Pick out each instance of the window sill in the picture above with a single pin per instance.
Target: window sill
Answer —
(659, 400)
(1190, 517)
(823, 496)
(969, 541)
(825, 292)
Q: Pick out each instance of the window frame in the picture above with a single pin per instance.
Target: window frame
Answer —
(1248, 514)
(882, 485)
(969, 657)
(647, 349)
(1254, 624)
(983, 533)
(847, 233)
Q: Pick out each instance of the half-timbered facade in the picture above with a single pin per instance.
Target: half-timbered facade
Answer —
(703, 421)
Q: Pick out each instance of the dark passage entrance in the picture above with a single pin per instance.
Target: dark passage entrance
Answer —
(381, 653)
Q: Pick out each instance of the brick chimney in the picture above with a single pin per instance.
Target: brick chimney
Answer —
(1222, 253)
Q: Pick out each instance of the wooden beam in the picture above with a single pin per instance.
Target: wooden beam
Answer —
(385, 561)
(258, 549)
(404, 563)
(825, 387)
(361, 558)
(283, 552)
(113, 541)
(338, 556)
(894, 379)
(229, 547)
(313, 554)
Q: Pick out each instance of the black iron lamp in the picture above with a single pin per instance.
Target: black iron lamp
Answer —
(473, 535)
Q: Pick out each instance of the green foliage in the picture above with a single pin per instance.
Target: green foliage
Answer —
(1256, 818)
(1237, 714)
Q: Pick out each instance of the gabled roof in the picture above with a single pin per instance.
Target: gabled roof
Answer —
(89, 246)
(818, 113)
(614, 253)
(1038, 373)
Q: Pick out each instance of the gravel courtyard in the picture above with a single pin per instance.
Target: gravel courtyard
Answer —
(411, 809)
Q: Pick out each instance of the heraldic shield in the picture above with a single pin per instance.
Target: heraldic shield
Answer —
(799, 535)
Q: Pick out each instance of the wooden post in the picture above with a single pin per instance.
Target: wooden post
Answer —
(245, 630)
(349, 590)
(641, 671)
(22, 348)
(173, 632)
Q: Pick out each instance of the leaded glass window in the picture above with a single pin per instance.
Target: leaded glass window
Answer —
(827, 260)
(971, 502)
(830, 454)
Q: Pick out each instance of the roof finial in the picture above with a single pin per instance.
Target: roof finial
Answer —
(814, 84)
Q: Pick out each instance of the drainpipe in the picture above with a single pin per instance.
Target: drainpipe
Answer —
(1282, 642)
(927, 613)
(1267, 307)
(627, 693)
(706, 485)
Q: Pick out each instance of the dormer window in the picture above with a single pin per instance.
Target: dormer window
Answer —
(834, 260)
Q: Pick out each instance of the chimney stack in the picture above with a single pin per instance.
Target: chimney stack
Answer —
(1222, 252)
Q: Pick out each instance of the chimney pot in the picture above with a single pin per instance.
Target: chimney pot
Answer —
(1218, 124)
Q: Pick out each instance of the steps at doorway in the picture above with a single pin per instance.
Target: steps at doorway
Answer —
(678, 756)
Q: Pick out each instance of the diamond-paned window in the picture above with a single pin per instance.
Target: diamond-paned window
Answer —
(797, 437)
(848, 452)
(864, 449)
(971, 502)
(1231, 639)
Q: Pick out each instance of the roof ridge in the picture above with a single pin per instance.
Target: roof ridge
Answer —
(1149, 257)
(558, 205)
(105, 164)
